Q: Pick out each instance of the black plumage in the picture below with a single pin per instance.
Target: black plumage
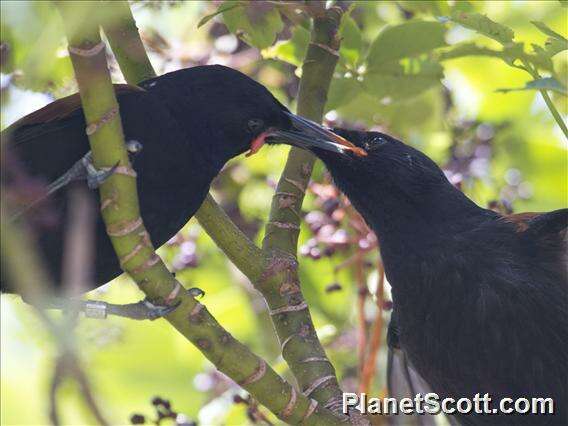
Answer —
(480, 299)
(189, 122)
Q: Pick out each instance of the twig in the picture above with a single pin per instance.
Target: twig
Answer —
(126, 44)
(281, 286)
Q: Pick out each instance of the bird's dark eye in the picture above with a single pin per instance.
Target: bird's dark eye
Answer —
(374, 143)
(255, 124)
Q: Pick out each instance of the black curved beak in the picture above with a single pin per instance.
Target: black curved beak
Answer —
(308, 135)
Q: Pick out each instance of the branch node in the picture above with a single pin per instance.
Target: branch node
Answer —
(256, 376)
(154, 258)
(328, 49)
(225, 338)
(296, 183)
(195, 314)
(317, 383)
(285, 342)
(144, 242)
(121, 170)
(107, 116)
(287, 411)
(316, 359)
(278, 263)
(204, 344)
(289, 287)
(173, 294)
(286, 200)
(92, 51)
(284, 225)
(286, 194)
(311, 408)
(109, 201)
(289, 308)
(334, 404)
(120, 229)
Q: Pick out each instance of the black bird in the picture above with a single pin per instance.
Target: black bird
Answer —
(188, 124)
(480, 299)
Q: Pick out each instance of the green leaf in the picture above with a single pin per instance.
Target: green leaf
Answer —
(293, 50)
(341, 91)
(554, 46)
(548, 31)
(405, 40)
(256, 23)
(223, 8)
(546, 83)
(483, 25)
(556, 43)
(351, 41)
(398, 82)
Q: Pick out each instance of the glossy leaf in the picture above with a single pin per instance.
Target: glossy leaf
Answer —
(223, 8)
(483, 25)
(256, 23)
(342, 91)
(548, 31)
(293, 50)
(405, 40)
(398, 82)
(351, 41)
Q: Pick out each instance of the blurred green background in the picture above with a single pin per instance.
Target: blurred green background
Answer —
(503, 149)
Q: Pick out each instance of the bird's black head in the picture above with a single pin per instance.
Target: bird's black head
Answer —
(393, 182)
(389, 163)
(234, 113)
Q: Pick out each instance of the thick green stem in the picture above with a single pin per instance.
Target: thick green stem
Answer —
(120, 211)
(236, 245)
(280, 284)
(126, 44)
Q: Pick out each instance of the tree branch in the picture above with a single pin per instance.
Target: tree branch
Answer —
(236, 245)
(132, 244)
(280, 284)
(126, 44)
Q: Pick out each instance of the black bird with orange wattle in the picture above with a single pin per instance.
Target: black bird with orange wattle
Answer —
(181, 128)
(480, 299)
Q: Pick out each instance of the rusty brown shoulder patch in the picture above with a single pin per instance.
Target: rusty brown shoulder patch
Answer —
(520, 220)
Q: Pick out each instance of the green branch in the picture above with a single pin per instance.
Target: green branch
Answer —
(280, 284)
(120, 211)
(126, 44)
(236, 245)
